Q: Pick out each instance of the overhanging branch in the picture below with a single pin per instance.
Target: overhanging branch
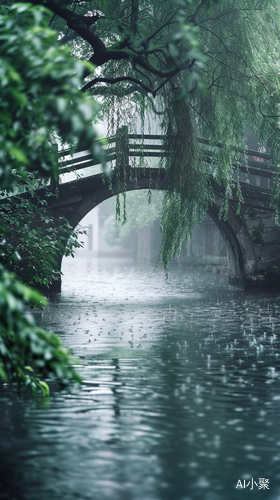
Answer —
(93, 82)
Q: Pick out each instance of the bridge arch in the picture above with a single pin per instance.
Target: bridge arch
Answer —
(75, 203)
(236, 259)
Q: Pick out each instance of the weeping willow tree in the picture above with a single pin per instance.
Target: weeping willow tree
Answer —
(203, 68)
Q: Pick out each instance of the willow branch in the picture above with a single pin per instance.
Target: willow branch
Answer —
(149, 38)
(134, 16)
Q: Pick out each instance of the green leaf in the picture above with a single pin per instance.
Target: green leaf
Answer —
(18, 154)
(44, 387)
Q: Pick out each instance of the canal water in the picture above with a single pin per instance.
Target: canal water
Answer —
(180, 397)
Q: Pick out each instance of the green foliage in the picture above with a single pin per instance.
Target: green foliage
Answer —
(28, 354)
(39, 99)
(39, 94)
(189, 194)
(32, 236)
(142, 209)
(241, 78)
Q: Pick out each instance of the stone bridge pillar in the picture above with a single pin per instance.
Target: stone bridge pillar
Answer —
(252, 239)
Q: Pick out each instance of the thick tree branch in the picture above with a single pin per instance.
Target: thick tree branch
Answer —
(112, 54)
(117, 80)
(117, 52)
(78, 23)
(104, 90)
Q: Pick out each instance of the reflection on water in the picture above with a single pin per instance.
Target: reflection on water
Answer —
(180, 398)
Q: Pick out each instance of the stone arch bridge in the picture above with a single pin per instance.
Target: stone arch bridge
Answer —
(252, 238)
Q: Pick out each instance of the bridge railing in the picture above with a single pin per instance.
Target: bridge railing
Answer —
(258, 171)
(77, 161)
